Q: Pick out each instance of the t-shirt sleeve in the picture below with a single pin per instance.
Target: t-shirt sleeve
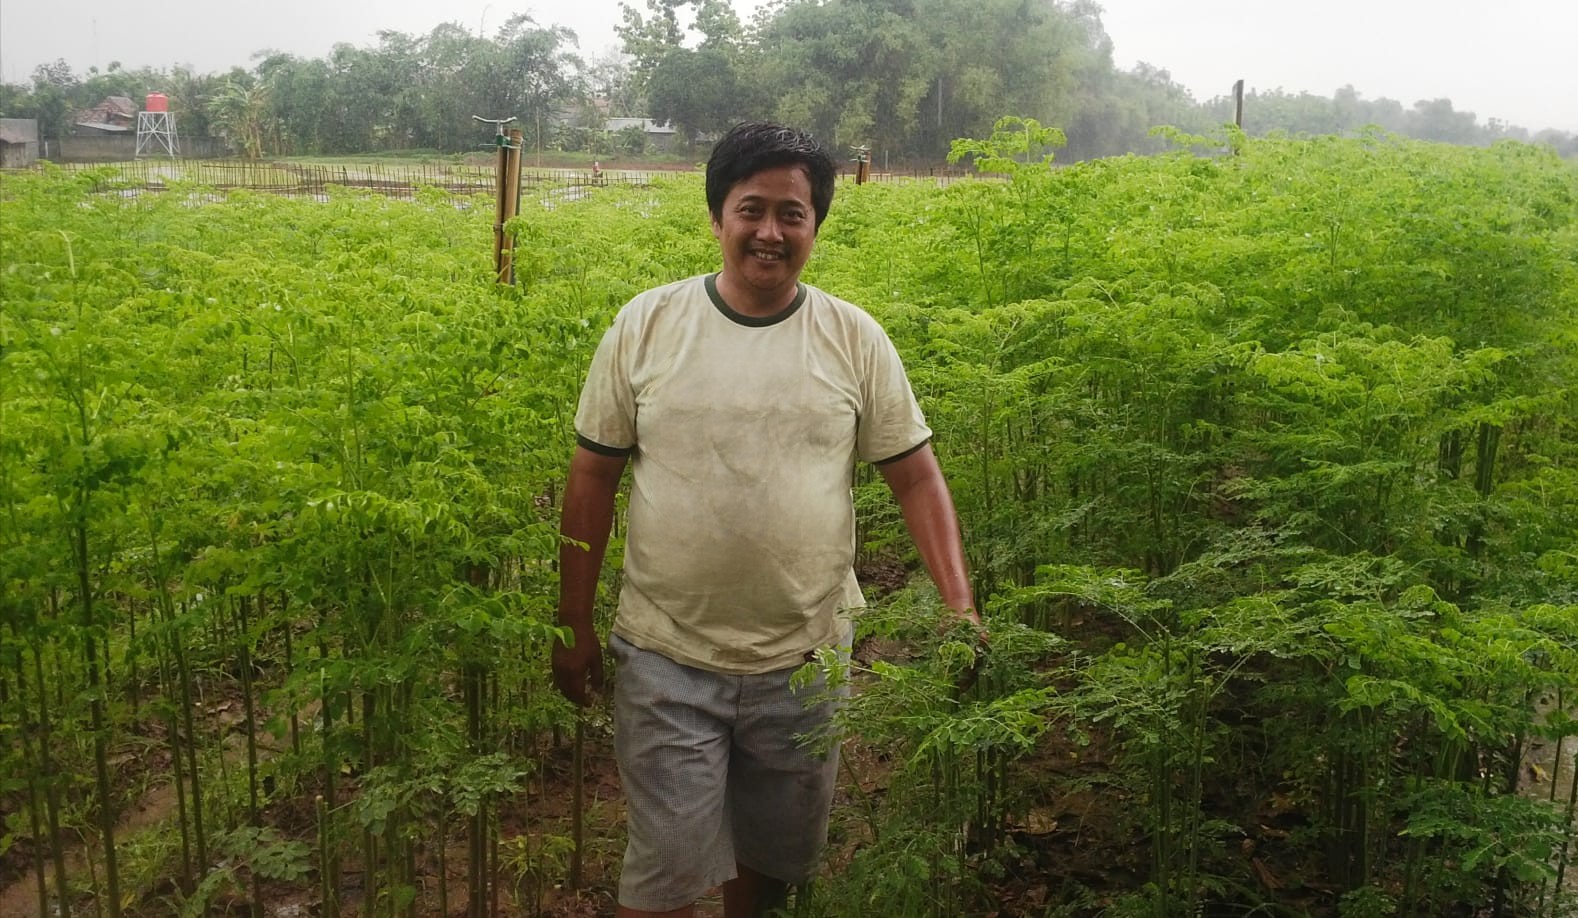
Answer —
(605, 421)
(891, 425)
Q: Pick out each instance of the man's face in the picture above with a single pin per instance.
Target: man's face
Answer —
(766, 230)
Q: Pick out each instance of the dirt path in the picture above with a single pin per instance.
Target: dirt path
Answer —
(1547, 773)
(154, 809)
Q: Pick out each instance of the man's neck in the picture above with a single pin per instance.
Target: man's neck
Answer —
(759, 304)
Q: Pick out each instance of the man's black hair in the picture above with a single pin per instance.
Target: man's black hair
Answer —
(756, 145)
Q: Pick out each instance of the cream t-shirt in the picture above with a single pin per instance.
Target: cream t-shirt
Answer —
(743, 434)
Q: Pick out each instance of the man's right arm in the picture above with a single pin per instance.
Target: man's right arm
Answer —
(586, 518)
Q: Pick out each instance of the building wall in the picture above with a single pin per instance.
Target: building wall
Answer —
(18, 155)
(121, 147)
(19, 146)
(102, 148)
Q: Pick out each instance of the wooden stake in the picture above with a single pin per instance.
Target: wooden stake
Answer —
(500, 214)
(578, 801)
(510, 203)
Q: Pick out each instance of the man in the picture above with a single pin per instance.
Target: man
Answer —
(742, 400)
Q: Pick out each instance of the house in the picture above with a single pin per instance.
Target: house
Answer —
(659, 136)
(18, 142)
(652, 129)
(115, 115)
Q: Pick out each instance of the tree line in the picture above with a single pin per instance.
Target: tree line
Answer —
(902, 77)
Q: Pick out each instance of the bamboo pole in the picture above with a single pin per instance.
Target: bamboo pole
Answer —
(509, 203)
(500, 214)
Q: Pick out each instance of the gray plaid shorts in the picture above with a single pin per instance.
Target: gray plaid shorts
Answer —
(714, 773)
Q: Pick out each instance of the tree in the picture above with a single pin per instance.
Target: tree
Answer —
(1435, 119)
(853, 72)
(655, 42)
(911, 75)
(300, 97)
(54, 90)
(696, 91)
(362, 86)
(648, 39)
(718, 26)
(241, 114)
(539, 72)
(190, 94)
(456, 70)
(1001, 56)
(117, 81)
(1565, 144)
(610, 78)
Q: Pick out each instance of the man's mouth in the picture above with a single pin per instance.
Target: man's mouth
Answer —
(768, 255)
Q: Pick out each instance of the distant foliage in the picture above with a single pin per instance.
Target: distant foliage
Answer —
(904, 79)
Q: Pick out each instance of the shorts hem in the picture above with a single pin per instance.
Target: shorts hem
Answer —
(774, 874)
(668, 905)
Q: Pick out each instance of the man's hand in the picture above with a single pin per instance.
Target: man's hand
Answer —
(578, 670)
(965, 627)
(584, 523)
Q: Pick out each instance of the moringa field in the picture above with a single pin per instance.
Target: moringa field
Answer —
(1267, 462)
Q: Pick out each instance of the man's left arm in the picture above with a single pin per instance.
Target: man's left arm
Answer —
(923, 496)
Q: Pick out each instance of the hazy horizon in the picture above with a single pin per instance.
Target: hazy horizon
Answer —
(1513, 63)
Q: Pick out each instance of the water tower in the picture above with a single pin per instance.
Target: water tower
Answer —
(156, 127)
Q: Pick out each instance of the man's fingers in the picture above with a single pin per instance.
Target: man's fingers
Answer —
(576, 690)
(578, 668)
(564, 681)
(570, 679)
(577, 681)
(967, 628)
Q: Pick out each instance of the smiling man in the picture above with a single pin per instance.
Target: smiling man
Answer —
(741, 401)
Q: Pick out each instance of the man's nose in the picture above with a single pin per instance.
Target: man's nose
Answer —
(769, 229)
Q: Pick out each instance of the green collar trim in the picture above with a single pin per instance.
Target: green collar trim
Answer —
(740, 318)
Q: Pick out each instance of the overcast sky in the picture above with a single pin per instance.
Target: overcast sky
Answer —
(1516, 60)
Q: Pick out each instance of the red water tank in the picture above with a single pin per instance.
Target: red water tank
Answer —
(157, 102)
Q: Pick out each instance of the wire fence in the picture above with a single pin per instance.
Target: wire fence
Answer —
(942, 176)
(400, 180)
(314, 179)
